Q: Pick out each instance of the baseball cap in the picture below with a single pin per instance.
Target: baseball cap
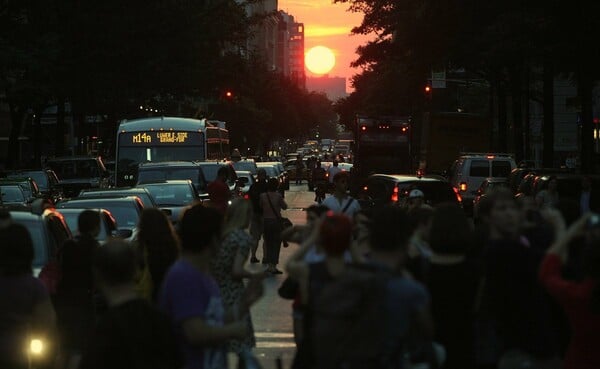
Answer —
(416, 193)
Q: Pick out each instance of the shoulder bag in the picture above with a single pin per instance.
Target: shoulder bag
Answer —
(284, 222)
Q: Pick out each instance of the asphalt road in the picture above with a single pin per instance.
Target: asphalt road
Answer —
(272, 315)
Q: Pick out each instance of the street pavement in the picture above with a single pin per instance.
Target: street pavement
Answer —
(272, 315)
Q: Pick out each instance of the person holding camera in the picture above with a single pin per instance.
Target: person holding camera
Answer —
(579, 299)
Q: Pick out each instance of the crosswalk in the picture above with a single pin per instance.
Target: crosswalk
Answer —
(273, 340)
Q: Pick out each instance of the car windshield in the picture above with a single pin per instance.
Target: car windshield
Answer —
(271, 172)
(125, 213)
(163, 174)
(245, 166)
(12, 194)
(145, 197)
(40, 178)
(72, 169)
(72, 220)
(171, 194)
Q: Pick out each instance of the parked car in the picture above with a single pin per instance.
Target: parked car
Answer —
(46, 180)
(12, 195)
(273, 172)
(246, 180)
(487, 185)
(48, 231)
(126, 210)
(283, 173)
(79, 172)
(385, 189)
(471, 169)
(108, 224)
(142, 193)
(28, 185)
(245, 165)
(174, 170)
(211, 168)
(172, 196)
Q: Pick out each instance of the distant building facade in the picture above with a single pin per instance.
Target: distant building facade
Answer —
(333, 87)
(291, 49)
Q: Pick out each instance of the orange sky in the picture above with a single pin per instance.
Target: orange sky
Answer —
(328, 24)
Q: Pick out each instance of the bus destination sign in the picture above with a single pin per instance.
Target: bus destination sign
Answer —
(161, 138)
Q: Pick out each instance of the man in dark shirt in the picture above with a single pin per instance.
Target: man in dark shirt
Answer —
(218, 191)
(256, 226)
(132, 334)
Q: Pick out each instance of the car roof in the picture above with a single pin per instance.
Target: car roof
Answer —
(169, 181)
(243, 172)
(125, 199)
(406, 178)
(164, 122)
(73, 210)
(170, 164)
(496, 179)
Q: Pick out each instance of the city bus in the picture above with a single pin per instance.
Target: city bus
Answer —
(383, 145)
(160, 139)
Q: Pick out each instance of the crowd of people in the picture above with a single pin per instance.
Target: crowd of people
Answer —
(405, 286)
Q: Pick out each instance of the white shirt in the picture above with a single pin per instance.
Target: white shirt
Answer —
(334, 205)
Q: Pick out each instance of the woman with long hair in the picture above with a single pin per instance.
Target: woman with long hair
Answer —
(26, 312)
(580, 300)
(158, 247)
(228, 264)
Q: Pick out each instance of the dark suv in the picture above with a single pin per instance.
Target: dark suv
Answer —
(173, 170)
(383, 189)
(79, 172)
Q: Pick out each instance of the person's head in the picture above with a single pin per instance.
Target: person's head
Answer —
(389, 229)
(340, 180)
(238, 215)
(314, 213)
(5, 218)
(500, 211)
(261, 175)
(416, 198)
(88, 223)
(199, 228)
(114, 264)
(451, 233)
(335, 162)
(335, 234)
(272, 185)
(318, 164)
(586, 183)
(223, 173)
(157, 234)
(16, 250)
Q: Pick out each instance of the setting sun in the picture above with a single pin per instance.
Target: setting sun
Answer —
(319, 60)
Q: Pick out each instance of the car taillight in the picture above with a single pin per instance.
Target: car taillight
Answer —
(458, 197)
(395, 195)
(246, 197)
(462, 186)
(365, 188)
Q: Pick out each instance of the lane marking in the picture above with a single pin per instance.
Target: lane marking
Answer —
(273, 335)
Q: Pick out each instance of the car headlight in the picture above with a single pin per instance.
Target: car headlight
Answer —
(36, 347)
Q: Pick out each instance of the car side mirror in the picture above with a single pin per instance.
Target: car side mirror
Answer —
(123, 233)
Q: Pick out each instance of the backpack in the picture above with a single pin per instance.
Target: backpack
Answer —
(349, 324)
